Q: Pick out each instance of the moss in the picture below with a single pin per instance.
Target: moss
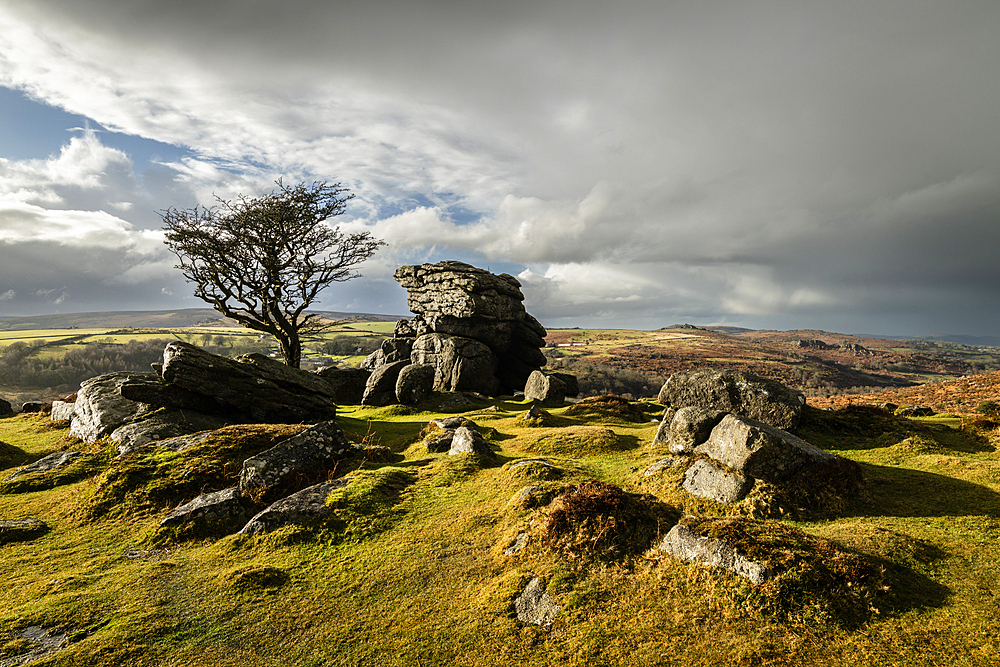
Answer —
(608, 408)
(158, 478)
(572, 441)
(11, 456)
(78, 468)
(369, 503)
(815, 579)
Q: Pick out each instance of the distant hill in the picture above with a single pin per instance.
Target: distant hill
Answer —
(123, 319)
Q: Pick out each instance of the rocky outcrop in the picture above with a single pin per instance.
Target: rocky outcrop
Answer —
(685, 429)
(348, 383)
(62, 411)
(708, 480)
(381, 386)
(739, 392)
(469, 441)
(459, 302)
(45, 464)
(100, 407)
(218, 513)
(262, 389)
(162, 426)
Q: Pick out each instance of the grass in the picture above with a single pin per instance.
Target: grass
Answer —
(413, 569)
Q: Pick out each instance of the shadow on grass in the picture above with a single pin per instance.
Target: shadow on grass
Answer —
(13, 457)
(902, 492)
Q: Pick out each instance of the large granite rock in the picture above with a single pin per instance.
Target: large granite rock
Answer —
(348, 383)
(469, 441)
(708, 480)
(261, 388)
(62, 411)
(735, 391)
(282, 468)
(758, 450)
(459, 300)
(381, 386)
(547, 388)
(415, 383)
(460, 364)
(152, 390)
(687, 428)
(100, 407)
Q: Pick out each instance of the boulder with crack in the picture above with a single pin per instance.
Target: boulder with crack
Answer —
(739, 392)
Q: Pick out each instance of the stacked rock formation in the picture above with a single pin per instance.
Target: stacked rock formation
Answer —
(470, 326)
(733, 425)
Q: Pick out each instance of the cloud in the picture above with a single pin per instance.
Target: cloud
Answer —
(8, 295)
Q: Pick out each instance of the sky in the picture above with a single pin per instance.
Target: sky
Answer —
(779, 165)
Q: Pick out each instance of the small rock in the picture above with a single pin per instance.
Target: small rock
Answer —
(535, 605)
(305, 506)
(50, 462)
(220, 512)
(441, 442)
(705, 480)
(684, 543)
(467, 441)
(21, 530)
(662, 464)
(517, 545)
(32, 406)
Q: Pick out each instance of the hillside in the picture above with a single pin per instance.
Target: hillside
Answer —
(418, 567)
(159, 319)
(816, 368)
(960, 396)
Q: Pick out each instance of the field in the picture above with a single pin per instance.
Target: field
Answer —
(414, 572)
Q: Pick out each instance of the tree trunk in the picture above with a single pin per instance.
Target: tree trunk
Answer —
(291, 349)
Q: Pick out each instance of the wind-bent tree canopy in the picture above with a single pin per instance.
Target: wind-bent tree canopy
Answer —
(262, 261)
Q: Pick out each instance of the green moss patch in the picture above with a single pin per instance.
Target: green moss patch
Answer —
(80, 467)
(607, 408)
(572, 441)
(11, 456)
(369, 503)
(158, 478)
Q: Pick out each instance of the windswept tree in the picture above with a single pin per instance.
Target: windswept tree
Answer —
(262, 261)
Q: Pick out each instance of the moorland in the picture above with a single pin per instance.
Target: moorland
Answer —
(416, 568)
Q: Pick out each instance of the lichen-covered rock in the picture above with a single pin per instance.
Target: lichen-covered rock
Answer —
(664, 464)
(21, 530)
(62, 411)
(100, 407)
(469, 441)
(303, 507)
(381, 386)
(261, 388)
(535, 605)
(45, 464)
(546, 388)
(684, 543)
(460, 364)
(152, 390)
(415, 383)
(690, 427)
(217, 513)
(162, 426)
(758, 450)
(285, 466)
(707, 480)
(734, 391)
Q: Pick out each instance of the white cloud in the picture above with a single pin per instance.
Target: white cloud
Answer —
(8, 295)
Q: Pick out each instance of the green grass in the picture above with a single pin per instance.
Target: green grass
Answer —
(413, 572)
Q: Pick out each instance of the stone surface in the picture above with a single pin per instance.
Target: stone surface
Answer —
(46, 463)
(100, 407)
(62, 411)
(517, 545)
(261, 388)
(32, 406)
(348, 383)
(178, 444)
(415, 383)
(21, 530)
(303, 507)
(663, 464)
(535, 605)
(381, 386)
(706, 480)
(46, 643)
(546, 388)
(468, 441)
(461, 364)
(690, 427)
(220, 512)
(278, 469)
(152, 390)
(5, 408)
(734, 391)
(758, 450)
(440, 442)
(162, 426)
(682, 542)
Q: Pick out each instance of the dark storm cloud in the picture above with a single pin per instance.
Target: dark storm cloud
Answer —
(764, 163)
